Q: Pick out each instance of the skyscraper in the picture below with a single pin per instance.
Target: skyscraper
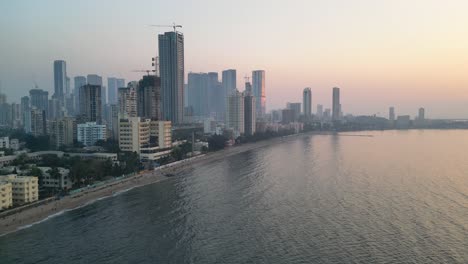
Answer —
(90, 103)
(94, 79)
(249, 114)
(149, 97)
(39, 99)
(391, 113)
(198, 94)
(307, 102)
(112, 90)
(258, 85)
(336, 109)
(38, 122)
(26, 113)
(421, 114)
(171, 65)
(319, 111)
(229, 81)
(60, 80)
(79, 81)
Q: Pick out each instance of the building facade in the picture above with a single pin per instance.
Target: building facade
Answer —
(25, 189)
(249, 114)
(6, 195)
(90, 103)
(60, 80)
(258, 86)
(336, 105)
(171, 65)
(149, 97)
(235, 113)
(90, 132)
(307, 102)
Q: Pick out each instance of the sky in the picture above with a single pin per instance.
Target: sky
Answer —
(406, 54)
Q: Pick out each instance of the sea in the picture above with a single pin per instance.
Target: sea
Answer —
(357, 197)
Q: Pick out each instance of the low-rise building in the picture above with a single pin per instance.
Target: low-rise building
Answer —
(24, 188)
(6, 195)
(4, 142)
(61, 181)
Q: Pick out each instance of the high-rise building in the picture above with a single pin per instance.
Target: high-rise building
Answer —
(171, 65)
(229, 80)
(391, 114)
(249, 114)
(90, 132)
(288, 116)
(216, 97)
(3, 98)
(26, 113)
(67, 86)
(94, 79)
(127, 102)
(90, 103)
(198, 94)
(296, 108)
(38, 122)
(319, 111)
(307, 102)
(39, 99)
(258, 85)
(6, 115)
(112, 90)
(235, 113)
(336, 105)
(60, 80)
(149, 97)
(61, 131)
(421, 114)
(120, 83)
(79, 81)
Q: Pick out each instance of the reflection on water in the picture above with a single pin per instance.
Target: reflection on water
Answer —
(399, 196)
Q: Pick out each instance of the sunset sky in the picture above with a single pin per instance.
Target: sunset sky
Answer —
(407, 54)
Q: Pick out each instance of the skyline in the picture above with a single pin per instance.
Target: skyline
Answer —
(379, 54)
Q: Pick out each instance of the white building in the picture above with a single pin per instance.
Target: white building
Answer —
(62, 182)
(89, 133)
(4, 142)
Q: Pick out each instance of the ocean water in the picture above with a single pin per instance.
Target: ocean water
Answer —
(364, 197)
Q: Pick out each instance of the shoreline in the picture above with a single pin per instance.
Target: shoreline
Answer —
(35, 215)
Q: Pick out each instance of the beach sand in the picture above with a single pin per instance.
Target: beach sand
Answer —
(42, 212)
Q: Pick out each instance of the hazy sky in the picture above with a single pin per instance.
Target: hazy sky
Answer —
(380, 53)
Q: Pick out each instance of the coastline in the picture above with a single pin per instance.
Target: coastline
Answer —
(31, 216)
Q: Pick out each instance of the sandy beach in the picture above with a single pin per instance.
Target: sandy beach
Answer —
(42, 212)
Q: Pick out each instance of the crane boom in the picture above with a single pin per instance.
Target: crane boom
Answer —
(174, 26)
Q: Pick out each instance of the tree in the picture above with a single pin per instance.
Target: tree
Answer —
(54, 173)
(216, 142)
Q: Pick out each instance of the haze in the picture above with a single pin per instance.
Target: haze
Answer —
(406, 54)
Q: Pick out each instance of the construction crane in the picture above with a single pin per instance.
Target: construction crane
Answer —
(147, 71)
(174, 26)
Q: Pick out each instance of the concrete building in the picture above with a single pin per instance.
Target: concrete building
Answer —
(136, 134)
(6, 195)
(296, 108)
(198, 96)
(38, 122)
(24, 188)
(307, 102)
(90, 103)
(63, 182)
(235, 113)
(61, 131)
(229, 81)
(39, 99)
(249, 114)
(171, 65)
(4, 142)
(60, 80)
(391, 114)
(258, 86)
(403, 122)
(112, 90)
(90, 132)
(288, 116)
(336, 105)
(149, 97)
(127, 102)
(319, 111)
(421, 114)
